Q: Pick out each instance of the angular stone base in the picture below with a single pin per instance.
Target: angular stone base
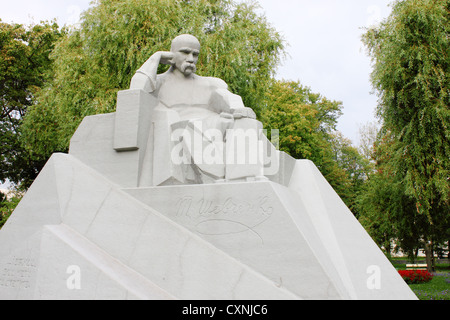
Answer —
(77, 235)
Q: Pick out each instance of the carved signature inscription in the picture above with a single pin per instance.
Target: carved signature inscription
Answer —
(17, 273)
(229, 216)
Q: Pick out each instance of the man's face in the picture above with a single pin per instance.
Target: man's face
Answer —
(186, 57)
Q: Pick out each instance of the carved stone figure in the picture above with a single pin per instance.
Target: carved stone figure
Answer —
(201, 115)
(181, 89)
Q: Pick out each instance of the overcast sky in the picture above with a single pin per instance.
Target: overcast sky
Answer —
(326, 52)
(324, 37)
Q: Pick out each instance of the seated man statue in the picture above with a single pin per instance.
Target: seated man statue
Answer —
(201, 114)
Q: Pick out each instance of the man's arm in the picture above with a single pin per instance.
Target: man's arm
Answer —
(145, 77)
(223, 101)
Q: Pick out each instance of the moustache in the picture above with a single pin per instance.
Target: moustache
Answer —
(187, 65)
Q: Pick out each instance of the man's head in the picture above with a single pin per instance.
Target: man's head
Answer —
(186, 49)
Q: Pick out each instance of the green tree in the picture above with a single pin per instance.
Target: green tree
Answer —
(307, 130)
(355, 165)
(289, 109)
(117, 36)
(24, 68)
(410, 52)
(387, 212)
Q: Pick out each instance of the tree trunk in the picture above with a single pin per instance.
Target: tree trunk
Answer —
(429, 256)
(416, 254)
(388, 250)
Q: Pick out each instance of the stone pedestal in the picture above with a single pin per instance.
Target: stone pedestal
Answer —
(78, 235)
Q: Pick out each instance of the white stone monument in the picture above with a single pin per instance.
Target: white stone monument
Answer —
(179, 195)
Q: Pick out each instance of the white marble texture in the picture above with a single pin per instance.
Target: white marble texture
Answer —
(247, 240)
(124, 249)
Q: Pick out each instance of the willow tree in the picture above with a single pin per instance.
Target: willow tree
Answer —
(116, 37)
(388, 213)
(25, 67)
(411, 69)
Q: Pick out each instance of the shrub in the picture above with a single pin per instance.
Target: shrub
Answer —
(415, 276)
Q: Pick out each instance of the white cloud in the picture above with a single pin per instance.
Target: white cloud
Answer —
(326, 52)
(74, 13)
(374, 17)
(33, 11)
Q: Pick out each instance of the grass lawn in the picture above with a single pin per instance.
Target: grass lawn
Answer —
(436, 289)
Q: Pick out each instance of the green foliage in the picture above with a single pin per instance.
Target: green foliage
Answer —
(289, 109)
(355, 166)
(116, 37)
(7, 206)
(306, 122)
(388, 213)
(24, 68)
(410, 53)
(411, 75)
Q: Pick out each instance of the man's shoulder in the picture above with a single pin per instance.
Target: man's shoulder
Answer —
(214, 82)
